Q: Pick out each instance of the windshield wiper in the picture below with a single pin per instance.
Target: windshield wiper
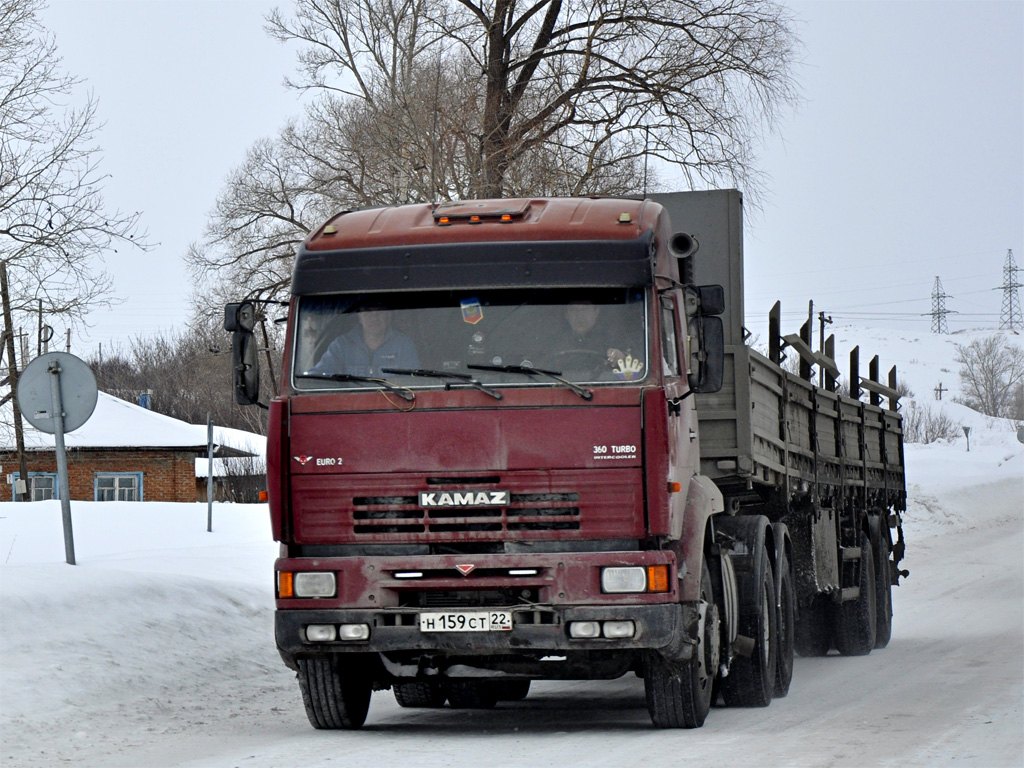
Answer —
(383, 383)
(586, 394)
(444, 375)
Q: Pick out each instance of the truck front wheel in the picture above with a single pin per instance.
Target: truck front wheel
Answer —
(679, 693)
(335, 693)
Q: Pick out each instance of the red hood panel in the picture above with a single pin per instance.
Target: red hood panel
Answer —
(466, 440)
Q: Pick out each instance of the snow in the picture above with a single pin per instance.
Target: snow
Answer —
(157, 648)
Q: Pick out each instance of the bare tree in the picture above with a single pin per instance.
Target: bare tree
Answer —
(186, 375)
(691, 82)
(990, 370)
(54, 225)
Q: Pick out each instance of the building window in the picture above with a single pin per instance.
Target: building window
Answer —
(126, 486)
(42, 486)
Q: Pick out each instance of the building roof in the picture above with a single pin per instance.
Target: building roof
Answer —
(117, 424)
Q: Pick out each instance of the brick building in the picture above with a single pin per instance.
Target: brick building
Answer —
(123, 453)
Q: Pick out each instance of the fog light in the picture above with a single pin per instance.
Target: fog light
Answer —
(314, 584)
(623, 579)
(619, 629)
(321, 633)
(582, 629)
(354, 632)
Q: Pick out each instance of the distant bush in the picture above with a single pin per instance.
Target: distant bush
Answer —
(923, 425)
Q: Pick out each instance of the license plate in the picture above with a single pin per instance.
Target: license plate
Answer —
(466, 621)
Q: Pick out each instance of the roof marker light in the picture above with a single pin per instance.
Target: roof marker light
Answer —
(409, 574)
(443, 221)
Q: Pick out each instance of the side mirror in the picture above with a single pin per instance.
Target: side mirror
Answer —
(706, 377)
(240, 319)
(712, 299)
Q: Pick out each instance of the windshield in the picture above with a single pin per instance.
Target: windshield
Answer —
(594, 335)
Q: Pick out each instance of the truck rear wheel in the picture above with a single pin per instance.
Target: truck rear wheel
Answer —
(679, 693)
(814, 628)
(471, 694)
(751, 680)
(336, 695)
(421, 693)
(883, 594)
(787, 628)
(855, 620)
(512, 690)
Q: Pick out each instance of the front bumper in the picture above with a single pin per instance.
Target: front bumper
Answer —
(667, 628)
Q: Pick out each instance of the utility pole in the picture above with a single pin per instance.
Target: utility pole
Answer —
(1009, 315)
(21, 489)
(939, 311)
(939, 390)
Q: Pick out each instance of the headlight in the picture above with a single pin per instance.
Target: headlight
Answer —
(622, 579)
(314, 584)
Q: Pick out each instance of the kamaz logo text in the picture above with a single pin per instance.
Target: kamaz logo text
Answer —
(464, 499)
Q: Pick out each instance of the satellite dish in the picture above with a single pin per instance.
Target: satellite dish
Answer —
(78, 391)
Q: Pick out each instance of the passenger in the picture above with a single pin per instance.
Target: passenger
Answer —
(371, 345)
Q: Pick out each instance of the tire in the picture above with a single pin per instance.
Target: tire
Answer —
(679, 693)
(471, 694)
(784, 646)
(335, 694)
(421, 693)
(883, 594)
(813, 635)
(751, 680)
(512, 690)
(855, 620)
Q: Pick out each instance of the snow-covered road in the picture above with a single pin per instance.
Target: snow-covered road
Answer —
(165, 657)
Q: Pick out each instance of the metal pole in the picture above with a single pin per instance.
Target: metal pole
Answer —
(62, 461)
(209, 474)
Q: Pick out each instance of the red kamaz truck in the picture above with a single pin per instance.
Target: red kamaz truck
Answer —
(525, 440)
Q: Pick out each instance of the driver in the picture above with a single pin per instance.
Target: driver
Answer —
(585, 333)
(372, 344)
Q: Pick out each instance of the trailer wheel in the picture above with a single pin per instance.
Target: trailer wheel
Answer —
(883, 594)
(335, 693)
(471, 694)
(512, 690)
(679, 693)
(814, 628)
(420, 693)
(751, 680)
(855, 625)
(787, 628)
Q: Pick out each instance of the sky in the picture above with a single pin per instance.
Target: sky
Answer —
(904, 162)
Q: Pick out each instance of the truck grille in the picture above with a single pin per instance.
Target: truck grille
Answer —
(400, 514)
(540, 505)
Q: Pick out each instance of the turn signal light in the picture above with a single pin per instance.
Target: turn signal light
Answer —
(285, 584)
(657, 578)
